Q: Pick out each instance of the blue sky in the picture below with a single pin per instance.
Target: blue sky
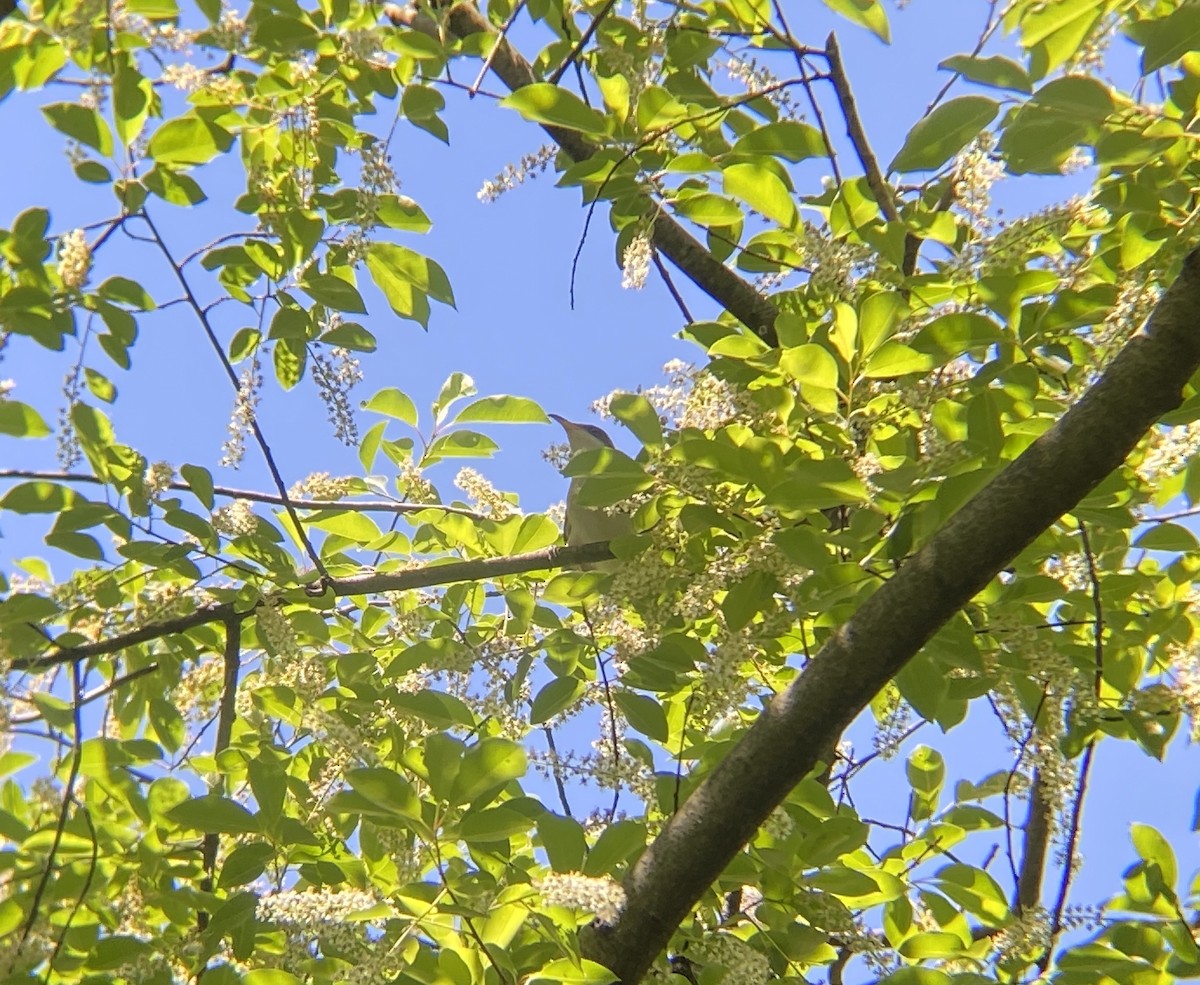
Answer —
(514, 332)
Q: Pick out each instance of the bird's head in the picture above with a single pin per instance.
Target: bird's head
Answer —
(583, 437)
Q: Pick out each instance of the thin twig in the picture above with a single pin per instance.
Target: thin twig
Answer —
(665, 274)
(98, 693)
(487, 62)
(68, 796)
(556, 770)
(254, 496)
(259, 437)
(579, 45)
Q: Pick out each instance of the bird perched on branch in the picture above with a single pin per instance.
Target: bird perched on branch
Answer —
(589, 524)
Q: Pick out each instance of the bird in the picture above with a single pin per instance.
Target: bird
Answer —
(589, 524)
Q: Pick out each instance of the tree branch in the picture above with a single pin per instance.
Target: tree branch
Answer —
(718, 281)
(435, 573)
(254, 496)
(857, 134)
(1033, 859)
(1142, 383)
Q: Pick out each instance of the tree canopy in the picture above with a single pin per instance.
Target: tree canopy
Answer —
(933, 458)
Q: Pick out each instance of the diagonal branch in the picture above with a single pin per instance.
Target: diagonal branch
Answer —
(718, 281)
(1092, 439)
(856, 132)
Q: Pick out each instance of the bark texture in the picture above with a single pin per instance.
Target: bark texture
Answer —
(1142, 383)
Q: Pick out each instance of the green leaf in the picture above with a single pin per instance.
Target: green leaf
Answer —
(1167, 537)
(133, 99)
(349, 335)
(932, 944)
(21, 421)
(995, 71)
(866, 13)
(1168, 39)
(564, 842)
(289, 357)
(393, 403)
(486, 767)
(817, 484)
(154, 9)
(122, 290)
(1155, 850)
(406, 278)
(810, 365)
(39, 497)
(831, 839)
(82, 124)
(544, 102)
(245, 864)
(638, 414)
(555, 696)
(564, 971)
(926, 771)
(787, 140)
(502, 409)
(335, 293)
(243, 344)
(384, 789)
(955, 335)
(897, 359)
(761, 189)
(278, 32)
(98, 385)
(188, 139)
(457, 386)
(976, 892)
(199, 480)
(644, 713)
(943, 133)
(173, 186)
(214, 814)
(616, 844)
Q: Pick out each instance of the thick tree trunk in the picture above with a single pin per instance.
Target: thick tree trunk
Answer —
(1143, 382)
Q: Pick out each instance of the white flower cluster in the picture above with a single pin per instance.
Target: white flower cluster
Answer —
(525, 169)
(276, 630)
(976, 169)
(321, 485)
(185, 77)
(1170, 451)
(74, 259)
(779, 824)
(242, 419)
(335, 376)
(198, 691)
(743, 964)
(487, 499)
(158, 479)
(755, 78)
(635, 262)
(235, 519)
(1069, 569)
(7, 387)
(834, 265)
(313, 908)
(603, 897)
